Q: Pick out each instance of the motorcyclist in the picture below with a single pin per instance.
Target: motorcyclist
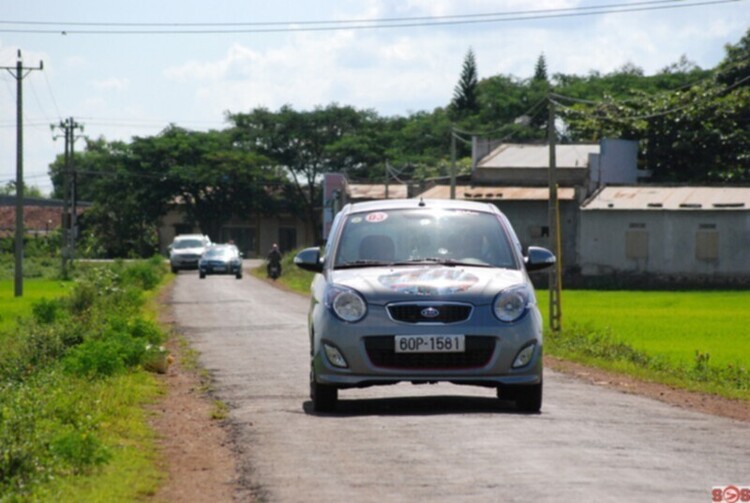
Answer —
(274, 260)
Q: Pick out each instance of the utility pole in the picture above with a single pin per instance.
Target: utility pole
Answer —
(453, 163)
(19, 74)
(387, 176)
(555, 275)
(70, 189)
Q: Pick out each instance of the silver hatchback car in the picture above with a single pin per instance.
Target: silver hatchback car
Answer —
(424, 291)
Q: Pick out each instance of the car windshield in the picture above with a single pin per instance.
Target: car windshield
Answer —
(220, 252)
(187, 243)
(421, 236)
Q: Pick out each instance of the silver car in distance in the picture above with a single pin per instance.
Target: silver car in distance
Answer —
(424, 292)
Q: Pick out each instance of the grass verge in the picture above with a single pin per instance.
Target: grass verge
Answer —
(73, 389)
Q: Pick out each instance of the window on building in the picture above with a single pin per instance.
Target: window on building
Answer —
(636, 242)
(183, 229)
(244, 237)
(707, 243)
(287, 239)
(538, 231)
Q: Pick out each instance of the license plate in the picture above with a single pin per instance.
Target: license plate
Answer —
(220, 268)
(429, 344)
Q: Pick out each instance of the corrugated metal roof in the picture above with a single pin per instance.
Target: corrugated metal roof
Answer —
(376, 191)
(470, 193)
(510, 155)
(670, 198)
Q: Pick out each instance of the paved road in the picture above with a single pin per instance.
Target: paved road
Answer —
(437, 443)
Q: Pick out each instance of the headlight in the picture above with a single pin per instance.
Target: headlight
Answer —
(511, 304)
(346, 303)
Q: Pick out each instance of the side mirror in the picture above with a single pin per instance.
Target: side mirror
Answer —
(309, 259)
(539, 258)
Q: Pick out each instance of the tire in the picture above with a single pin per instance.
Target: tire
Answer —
(324, 397)
(174, 270)
(238, 275)
(202, 275)
(529, 398)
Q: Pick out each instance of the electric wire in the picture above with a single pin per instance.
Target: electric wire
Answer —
(363, 24)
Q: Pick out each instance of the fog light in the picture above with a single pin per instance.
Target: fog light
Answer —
(524, 356)
(334, 356)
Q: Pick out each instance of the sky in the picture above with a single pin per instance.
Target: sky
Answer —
(125, 69)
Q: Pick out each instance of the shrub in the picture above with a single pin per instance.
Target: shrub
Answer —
(46, 311)
(146, 275)
(104, 357)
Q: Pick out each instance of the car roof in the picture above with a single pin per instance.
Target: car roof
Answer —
(398, 204)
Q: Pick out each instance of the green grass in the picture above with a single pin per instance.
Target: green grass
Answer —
(673, 325)
(73, 389)
(131, 472)
(12, 307)
(693, 340)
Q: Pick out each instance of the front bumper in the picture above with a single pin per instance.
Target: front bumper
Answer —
(491, 348)
(220, 268)
(184, 262)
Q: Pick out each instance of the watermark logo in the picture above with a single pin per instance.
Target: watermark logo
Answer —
(730, 494)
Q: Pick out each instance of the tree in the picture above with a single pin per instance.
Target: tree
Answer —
(465, 94)
(697, 131)
(305, 145)
(540, 70)
(10, 190)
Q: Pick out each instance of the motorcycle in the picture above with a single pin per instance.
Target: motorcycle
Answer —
(274, 271)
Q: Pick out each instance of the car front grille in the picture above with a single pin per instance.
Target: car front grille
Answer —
(429, 312)
(479, 349)
(188, 258)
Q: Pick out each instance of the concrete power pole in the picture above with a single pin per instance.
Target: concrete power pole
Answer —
(19, 74)
(555, 275)
(70, 189)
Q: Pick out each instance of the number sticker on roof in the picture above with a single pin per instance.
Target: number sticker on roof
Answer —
(377, 217)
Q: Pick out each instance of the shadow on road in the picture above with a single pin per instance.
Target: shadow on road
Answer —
(417, 406)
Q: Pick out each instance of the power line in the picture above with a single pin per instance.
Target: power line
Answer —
(352, 24)
(331, 22)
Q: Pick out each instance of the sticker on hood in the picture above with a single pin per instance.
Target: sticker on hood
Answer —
(429, 281)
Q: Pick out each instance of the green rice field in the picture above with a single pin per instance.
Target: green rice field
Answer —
(670, 325)
(12, 307)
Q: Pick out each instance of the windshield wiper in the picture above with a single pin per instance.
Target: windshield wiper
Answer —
(439, 261)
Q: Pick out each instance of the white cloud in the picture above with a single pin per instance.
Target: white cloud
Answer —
(111, 84)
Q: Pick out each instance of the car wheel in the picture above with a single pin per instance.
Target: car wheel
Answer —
(174, 270)
(238, 275)
(324, 396)
(529, 398)
(202, 275)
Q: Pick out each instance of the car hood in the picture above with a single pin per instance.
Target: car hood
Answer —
(381, 285)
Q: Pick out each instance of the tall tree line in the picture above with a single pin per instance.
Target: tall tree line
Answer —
(692, 125)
